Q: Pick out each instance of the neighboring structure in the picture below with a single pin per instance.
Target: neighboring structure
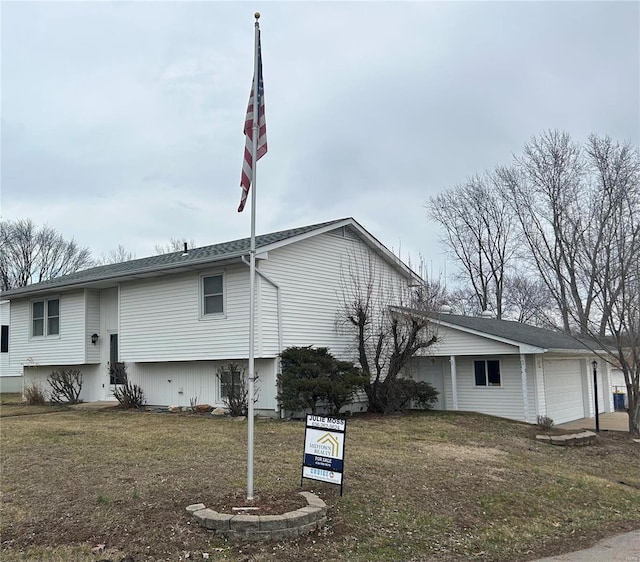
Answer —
(174, 319)
(512, 370)
(10, 377)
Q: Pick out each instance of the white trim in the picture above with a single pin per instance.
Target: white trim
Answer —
(454, 382)
(525, 391)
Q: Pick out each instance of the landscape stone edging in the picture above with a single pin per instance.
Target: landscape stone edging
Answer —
(263, 527)
(583, 438)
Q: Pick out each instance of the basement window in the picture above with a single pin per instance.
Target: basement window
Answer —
(487, 372)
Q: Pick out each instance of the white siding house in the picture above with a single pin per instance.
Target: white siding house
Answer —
(175, 319)
(512, 370)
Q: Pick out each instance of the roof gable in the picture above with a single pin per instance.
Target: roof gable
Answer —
(515, 333)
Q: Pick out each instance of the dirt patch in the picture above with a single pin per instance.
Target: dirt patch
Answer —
(265, 503)
(462, 453)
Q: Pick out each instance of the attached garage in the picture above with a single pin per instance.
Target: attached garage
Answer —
(564, 395)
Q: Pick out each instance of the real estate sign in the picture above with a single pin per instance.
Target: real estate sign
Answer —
(324, 449)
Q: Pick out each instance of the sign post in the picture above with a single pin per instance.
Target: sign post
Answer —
(323, 458)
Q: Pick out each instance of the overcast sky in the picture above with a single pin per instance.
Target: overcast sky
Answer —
(122, 121)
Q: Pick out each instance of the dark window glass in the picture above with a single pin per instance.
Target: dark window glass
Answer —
(53, 317)
(38, 318)
(4, 340)
(212, 293)
(230, 384)
(481, 375)
(493, 373)
(53, 307)
(117, 373)
(213, 304)
(213, 285)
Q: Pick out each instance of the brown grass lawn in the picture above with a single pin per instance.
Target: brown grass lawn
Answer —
(432, 486)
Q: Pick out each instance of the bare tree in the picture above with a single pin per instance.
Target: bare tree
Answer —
(463, 300)
(611, 249)
(479, 233)
(174, 245)
(390, 323)
(578, 208)
(548, 192)
(527, 300)
(117, 255)
(31, 254)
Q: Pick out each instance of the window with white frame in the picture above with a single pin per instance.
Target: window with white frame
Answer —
(487, 372)
(212, 294)
(45, 318)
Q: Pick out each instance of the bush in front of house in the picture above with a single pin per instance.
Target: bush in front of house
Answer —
(545, 423)
(128, 394)
(34, 394)
(313, 377)
(409, 393)
(66, 385)
(235, 388)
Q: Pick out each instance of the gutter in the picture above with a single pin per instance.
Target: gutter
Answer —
(279, 312)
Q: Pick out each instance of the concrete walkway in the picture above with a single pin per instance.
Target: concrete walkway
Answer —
(615, 421)
(95, 405)
(621, 548)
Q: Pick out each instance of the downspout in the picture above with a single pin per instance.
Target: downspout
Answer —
(279, 313)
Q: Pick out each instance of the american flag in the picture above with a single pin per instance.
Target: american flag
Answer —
(247, 165)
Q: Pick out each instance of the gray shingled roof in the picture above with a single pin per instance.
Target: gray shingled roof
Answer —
(163, 262)
(515, 331)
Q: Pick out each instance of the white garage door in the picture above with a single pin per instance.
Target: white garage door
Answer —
(563, 390)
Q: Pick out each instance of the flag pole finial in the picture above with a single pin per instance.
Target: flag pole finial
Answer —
(257, 15)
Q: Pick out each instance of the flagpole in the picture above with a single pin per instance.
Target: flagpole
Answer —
(252, 260)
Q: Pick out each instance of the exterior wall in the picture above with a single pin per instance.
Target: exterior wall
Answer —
(167, 384)
(160, 319)
(312, 275)
(10, 383)
(505, 401)
(432, 370)
(92, 325)
(67, 348)
(10, 375)
(539, 393)
(457, 342)
(91, 389)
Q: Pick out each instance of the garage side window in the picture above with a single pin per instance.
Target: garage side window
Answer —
(212, 294)
(487, 372)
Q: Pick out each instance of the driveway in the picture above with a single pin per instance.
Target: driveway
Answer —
(614, 421)
(621, 548)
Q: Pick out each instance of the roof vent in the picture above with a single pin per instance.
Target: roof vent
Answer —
(445, 309)
(486, 314)
(185, 252)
